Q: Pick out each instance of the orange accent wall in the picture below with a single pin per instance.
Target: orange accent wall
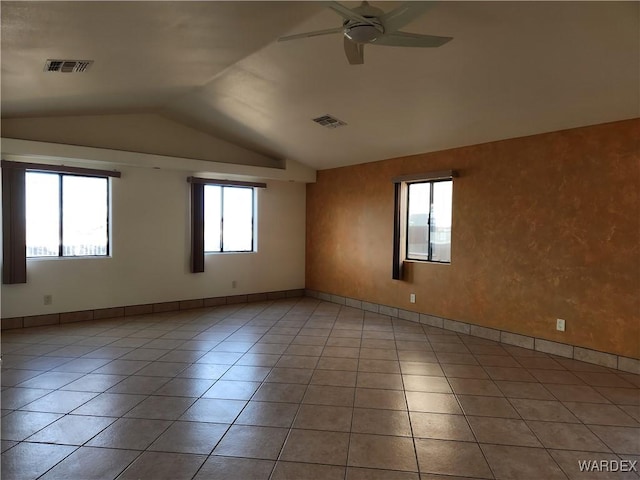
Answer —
(544, 227)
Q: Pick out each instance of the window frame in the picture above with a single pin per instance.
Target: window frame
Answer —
(429, 255)
(61, 176)
(401, 218)
(253, 248)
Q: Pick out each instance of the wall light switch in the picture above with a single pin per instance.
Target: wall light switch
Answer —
(560, 325)
(412, 298)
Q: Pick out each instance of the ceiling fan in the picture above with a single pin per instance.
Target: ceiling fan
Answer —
(370, 25)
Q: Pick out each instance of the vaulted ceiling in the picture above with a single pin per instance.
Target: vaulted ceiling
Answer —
(513, 69)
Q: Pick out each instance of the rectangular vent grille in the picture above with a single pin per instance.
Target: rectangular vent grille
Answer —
(329, 121)
(67, 66)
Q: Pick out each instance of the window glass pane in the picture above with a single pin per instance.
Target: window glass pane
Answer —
(238, 219)
(43, 215)
(84, 216)
(441, 222)
(212, 212)
(418, 221)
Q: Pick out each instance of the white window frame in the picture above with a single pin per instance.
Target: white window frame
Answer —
(109, 218)
(254, 195)
(429, 257)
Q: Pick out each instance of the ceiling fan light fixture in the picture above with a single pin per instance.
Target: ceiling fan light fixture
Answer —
(362, 33)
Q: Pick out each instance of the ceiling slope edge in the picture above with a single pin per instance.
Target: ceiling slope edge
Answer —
(136, 132)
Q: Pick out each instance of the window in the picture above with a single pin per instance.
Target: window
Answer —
(222, 218)
(428, 221)
(228, 219)
(422, 219)
(66, 215)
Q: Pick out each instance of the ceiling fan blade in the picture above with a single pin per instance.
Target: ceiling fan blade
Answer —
(405, 13)
(348, 14)
(316, 33)
(404, 39)
(354, 52)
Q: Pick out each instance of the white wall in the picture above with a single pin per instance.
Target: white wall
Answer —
(151, 250)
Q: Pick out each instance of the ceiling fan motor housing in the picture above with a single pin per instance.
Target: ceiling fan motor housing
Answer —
(363, 32)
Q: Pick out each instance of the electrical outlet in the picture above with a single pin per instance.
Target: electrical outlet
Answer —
(48, 299)
(560, 324)
(412, 298)
(234, 284)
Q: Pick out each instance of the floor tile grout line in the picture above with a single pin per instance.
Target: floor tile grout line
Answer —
(355, 389)
(406, 401)
(484, 456)
(555, 462)
(57, 463)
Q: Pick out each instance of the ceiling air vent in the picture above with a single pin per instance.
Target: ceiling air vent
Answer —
(67, 66)
(329, 121)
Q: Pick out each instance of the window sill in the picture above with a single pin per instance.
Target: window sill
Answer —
(77, 257)
(230, 253)
(432, 262)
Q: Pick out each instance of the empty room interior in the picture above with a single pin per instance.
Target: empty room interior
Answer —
(320, 240)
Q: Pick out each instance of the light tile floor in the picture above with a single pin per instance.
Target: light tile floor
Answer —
(302, 389)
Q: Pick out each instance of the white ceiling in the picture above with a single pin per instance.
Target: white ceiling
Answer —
(513, 69)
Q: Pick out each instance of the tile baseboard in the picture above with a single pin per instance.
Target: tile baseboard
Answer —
(143, 309)
(610, 360)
